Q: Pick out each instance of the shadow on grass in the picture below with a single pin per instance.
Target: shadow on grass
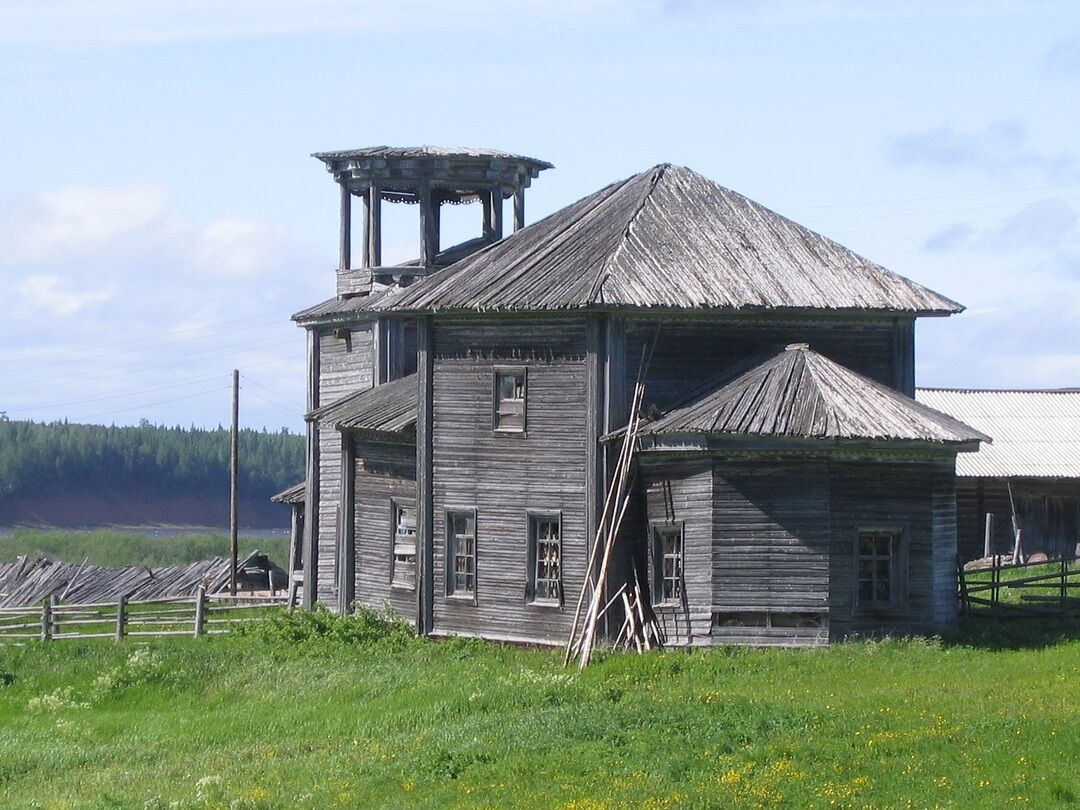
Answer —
(1013, 633)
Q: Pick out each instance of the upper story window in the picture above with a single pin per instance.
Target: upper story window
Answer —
(545, 559)
(668, 563)
(403, 561)
(878, 568)
(509, 404)
(461, 554)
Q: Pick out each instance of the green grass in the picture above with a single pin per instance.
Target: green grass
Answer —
(119, 548)
(325, 712)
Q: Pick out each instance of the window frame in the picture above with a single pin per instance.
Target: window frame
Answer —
(497, 372)
(533, 520)
(656, 530)
(898, 569)
(397, 504)
(450, 551)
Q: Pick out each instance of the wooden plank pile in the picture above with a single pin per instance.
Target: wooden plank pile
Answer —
(638, 632)
(28, 581)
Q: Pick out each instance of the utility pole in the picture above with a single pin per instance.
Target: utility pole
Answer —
(234, 466)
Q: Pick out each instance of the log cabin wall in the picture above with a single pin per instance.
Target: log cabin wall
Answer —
(770, 566)
(691, 349)
(505, 476)
(345, 365)
(679, 491)
(384, 473)
(917, 499)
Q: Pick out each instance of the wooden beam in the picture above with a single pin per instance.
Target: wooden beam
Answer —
(595, 478)
(429, 226)
(375, 215)
(311, 491)
(425, 501)
(347, 529)
(365, 246)
(519, 209)
(488, 232)
(345, 243)
(496, 223)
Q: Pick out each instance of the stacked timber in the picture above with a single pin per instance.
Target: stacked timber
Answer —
(29, 580)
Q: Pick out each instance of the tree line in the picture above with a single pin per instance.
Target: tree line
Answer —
(43, 458)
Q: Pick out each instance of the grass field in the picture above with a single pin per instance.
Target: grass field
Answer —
(104, 547)
(323, 712)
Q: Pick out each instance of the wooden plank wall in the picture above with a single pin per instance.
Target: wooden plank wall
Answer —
(1049, 513)
(505, 476)
(382, 471)
(345, 366)
(896, 494)
(681, 491)
(770, 552)
(691, 349)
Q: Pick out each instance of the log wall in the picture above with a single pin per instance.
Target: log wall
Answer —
(505, 476)
(382, 472)
(345, 366)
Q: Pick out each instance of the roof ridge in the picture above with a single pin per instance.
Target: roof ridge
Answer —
(602, 271)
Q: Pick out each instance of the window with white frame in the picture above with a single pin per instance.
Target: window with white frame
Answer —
(545, 559)
(668, 563)
(509, 396)
(403, 538)
(461, 553)
(878, 567)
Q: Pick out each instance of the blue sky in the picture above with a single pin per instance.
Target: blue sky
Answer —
(161, 216)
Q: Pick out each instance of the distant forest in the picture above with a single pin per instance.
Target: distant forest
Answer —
(52, 460)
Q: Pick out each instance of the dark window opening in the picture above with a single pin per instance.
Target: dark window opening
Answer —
(461, 553)
(545, 558)
(668, 563)
(509, 400)
(877, 565)
(403, 564)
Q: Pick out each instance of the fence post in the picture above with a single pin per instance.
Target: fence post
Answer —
(200, 603)
(46, 619)
(121, 604)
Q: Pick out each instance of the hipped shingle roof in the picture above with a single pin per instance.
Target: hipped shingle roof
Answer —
(668, 238)
(799, 393)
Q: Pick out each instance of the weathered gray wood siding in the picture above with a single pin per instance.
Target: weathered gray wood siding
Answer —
(505, 476)
(382, 472)
(914, 497)
(770, 565)
(1048, 512)
(691, 349)
(345, 365)
(680, 491)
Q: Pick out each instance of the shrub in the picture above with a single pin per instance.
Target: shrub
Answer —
(364, 627)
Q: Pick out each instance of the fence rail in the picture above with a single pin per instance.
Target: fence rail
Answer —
(1004, 590)
(200, 615)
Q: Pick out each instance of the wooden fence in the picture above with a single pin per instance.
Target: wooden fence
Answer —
(199, 615)
(1004, 590)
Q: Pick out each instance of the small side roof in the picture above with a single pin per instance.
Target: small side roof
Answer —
(386, 408)
(1036, 433)
(799, 393)
(292, 495)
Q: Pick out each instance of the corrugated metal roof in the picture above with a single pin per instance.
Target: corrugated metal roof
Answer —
(1036, 433)
(802, 394)
(294, 494)
(422, 152)
(386, 408)
(668, 238)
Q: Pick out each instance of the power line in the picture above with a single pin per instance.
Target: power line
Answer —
(284, 397)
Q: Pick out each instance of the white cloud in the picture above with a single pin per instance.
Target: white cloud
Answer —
(237, 247)
(50, 293)
(1000, 150)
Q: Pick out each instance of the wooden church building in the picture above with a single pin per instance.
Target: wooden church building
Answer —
(465, 408)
